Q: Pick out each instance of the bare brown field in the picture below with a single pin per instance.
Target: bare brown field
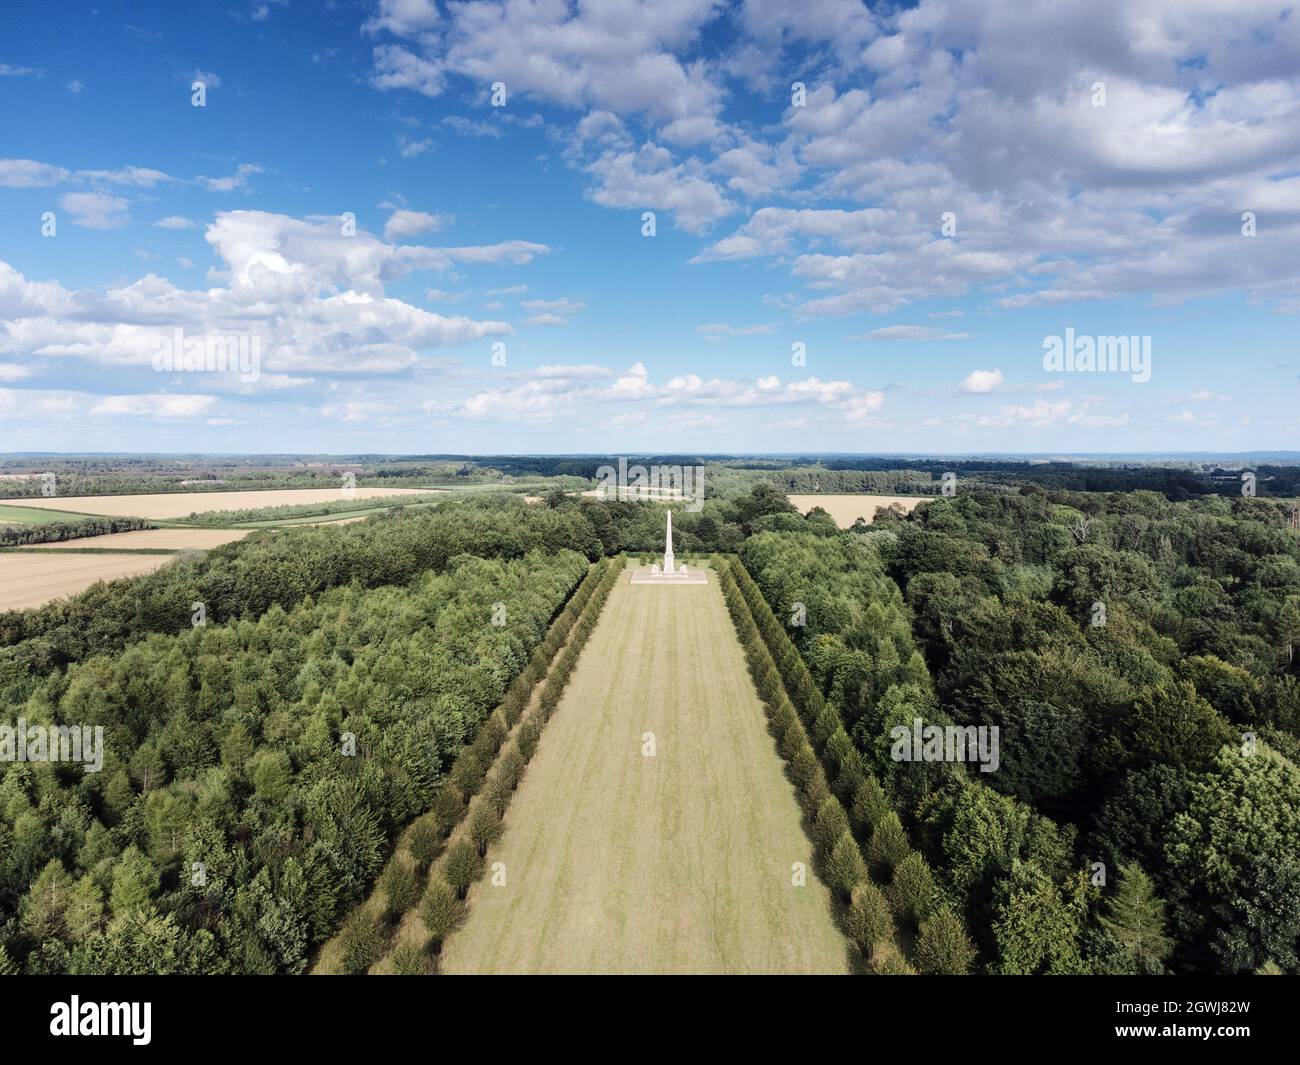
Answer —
(28, 580)
(846, 509)
(172, 505)
(167, 539)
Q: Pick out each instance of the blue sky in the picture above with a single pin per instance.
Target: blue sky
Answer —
(817, 222)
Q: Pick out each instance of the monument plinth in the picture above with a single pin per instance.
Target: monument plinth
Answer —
(670, 573)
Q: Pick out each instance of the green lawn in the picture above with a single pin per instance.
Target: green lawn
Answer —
(11, 515)
(679, 863)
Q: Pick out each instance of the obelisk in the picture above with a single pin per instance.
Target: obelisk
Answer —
(668, 547)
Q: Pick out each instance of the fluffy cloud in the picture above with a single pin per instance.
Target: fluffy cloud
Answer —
(94, 210)
(314, 299)
(981, 381)
(404, 224)
(565, 392)
(29, 174)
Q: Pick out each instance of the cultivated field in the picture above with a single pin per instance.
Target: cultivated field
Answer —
(30, 579)
(846, 509)
(10, 516)
(165, 539)
(677, 863)
(172, 505)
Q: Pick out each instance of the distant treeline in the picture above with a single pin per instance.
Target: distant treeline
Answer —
(57, 531)
(222, 518)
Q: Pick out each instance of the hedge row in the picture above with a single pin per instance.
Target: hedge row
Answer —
(480, 785)
(366, 935)
(867, 918)
(55, 532)
(785, 683)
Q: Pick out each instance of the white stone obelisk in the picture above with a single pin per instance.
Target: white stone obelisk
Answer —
(668, 547)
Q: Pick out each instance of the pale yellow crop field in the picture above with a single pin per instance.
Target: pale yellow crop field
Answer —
(616, 862)
(166, 539)
(30, 579)
(846, 509)
(172, 505)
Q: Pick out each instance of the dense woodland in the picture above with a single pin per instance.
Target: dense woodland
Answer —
(1138, 658)
(1137, 654)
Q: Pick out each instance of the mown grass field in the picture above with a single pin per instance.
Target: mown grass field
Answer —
(677, 863)
(35, 515)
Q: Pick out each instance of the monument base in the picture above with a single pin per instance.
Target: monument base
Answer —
(643, 575)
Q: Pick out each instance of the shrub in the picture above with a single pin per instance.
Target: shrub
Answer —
(831, 823)
(497, 793)
(512, 767)
(868, 921)
(943, 947)
(484, 825)
(839, 748)
(424, 842)
(440, 910)
(888, 846)
(362, 939)
(845, 867)
(912, 889)
(869, 804)
(401, 884)
(448, 807)
(462, 866)
(804, 765)
(529, 733)
(792, 740)
(892, 963)
(816, 791)
(851, 776)
(410, 959)
(467, 773)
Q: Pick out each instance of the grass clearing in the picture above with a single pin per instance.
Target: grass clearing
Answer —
(677, 863)
(35, 515)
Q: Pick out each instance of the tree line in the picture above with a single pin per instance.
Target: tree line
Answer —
(256, 771)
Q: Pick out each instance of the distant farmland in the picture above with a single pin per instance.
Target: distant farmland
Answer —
(173, 505)
(846, 509)
(166, 539)
(28, 579)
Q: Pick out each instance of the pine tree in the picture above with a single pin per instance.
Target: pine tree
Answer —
(888, 846)
(845, 868)
(868, 921)
(1135, 917)
(912, 889)
(831, 823)
(943, 947)
(869, 804)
